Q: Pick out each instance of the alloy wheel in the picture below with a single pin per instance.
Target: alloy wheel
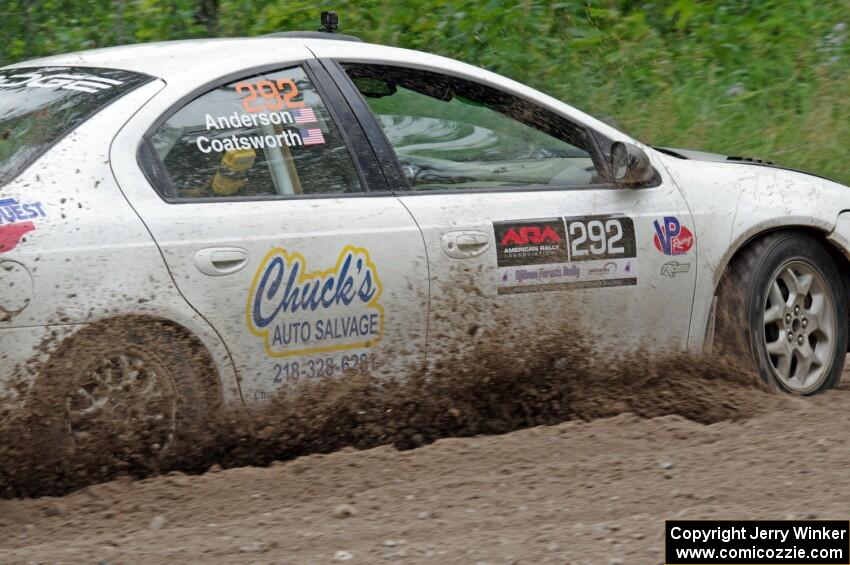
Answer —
(125, 396)
(799, 327)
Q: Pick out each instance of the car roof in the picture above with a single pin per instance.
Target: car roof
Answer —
(192, 62)
(169, 59)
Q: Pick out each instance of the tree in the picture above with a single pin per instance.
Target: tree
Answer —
(207, 16)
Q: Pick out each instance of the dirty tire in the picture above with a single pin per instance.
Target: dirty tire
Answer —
(131, 396)
(756, 308)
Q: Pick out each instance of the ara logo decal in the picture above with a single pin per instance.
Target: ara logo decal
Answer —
(672, 238)
(530, 242)
(297, 312)
(530, 234)
(16, 220)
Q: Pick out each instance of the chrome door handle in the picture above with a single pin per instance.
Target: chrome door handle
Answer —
(465, 244)
(220, 261)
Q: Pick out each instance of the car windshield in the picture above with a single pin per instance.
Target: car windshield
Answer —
(40, 105)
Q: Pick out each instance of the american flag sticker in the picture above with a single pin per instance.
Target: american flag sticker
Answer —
(312, 136)
(304, 116)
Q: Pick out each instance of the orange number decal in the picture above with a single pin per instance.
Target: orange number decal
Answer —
(269, 91)
(252, 95)
(282, 84)
(271, 94)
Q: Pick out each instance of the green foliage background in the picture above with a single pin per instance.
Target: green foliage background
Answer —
(765, 78)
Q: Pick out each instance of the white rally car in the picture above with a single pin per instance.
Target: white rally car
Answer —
(292, 207)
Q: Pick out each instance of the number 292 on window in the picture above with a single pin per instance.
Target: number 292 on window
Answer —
(269, 95)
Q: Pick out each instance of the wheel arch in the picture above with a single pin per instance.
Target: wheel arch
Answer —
(821, 232)
(210, 375)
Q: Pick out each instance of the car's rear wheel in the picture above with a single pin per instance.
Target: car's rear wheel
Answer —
(782, 301)
(126, 396)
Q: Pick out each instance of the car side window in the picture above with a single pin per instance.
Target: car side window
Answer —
(450, 133)
(264, 135)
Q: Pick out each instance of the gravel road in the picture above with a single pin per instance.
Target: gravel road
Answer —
(592, 492)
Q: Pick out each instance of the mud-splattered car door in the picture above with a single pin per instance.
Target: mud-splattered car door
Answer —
(526, 234)
(275, 229)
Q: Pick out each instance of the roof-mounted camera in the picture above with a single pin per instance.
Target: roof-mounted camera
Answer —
(330, 22)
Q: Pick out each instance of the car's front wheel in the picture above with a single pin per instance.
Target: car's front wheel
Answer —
(782, 301)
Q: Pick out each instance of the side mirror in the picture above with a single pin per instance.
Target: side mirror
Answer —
(630, 165)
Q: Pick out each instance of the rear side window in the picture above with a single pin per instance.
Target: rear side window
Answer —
(263, 136)
(40, 105)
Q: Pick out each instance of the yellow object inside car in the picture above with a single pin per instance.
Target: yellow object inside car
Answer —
(233, 170)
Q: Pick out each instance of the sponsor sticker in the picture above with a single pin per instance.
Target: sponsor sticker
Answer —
(296, 311)
(673, 268)
(62, 81)
(671, 237)
(530, 242)
(17, 220)
(608, 268)
(565, 253)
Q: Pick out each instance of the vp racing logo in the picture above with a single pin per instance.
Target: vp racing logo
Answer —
(298, 312)
(16, 220)
(672, 238)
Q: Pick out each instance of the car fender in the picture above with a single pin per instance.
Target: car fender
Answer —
(840, 235)
(733, 203)
(89, 258)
